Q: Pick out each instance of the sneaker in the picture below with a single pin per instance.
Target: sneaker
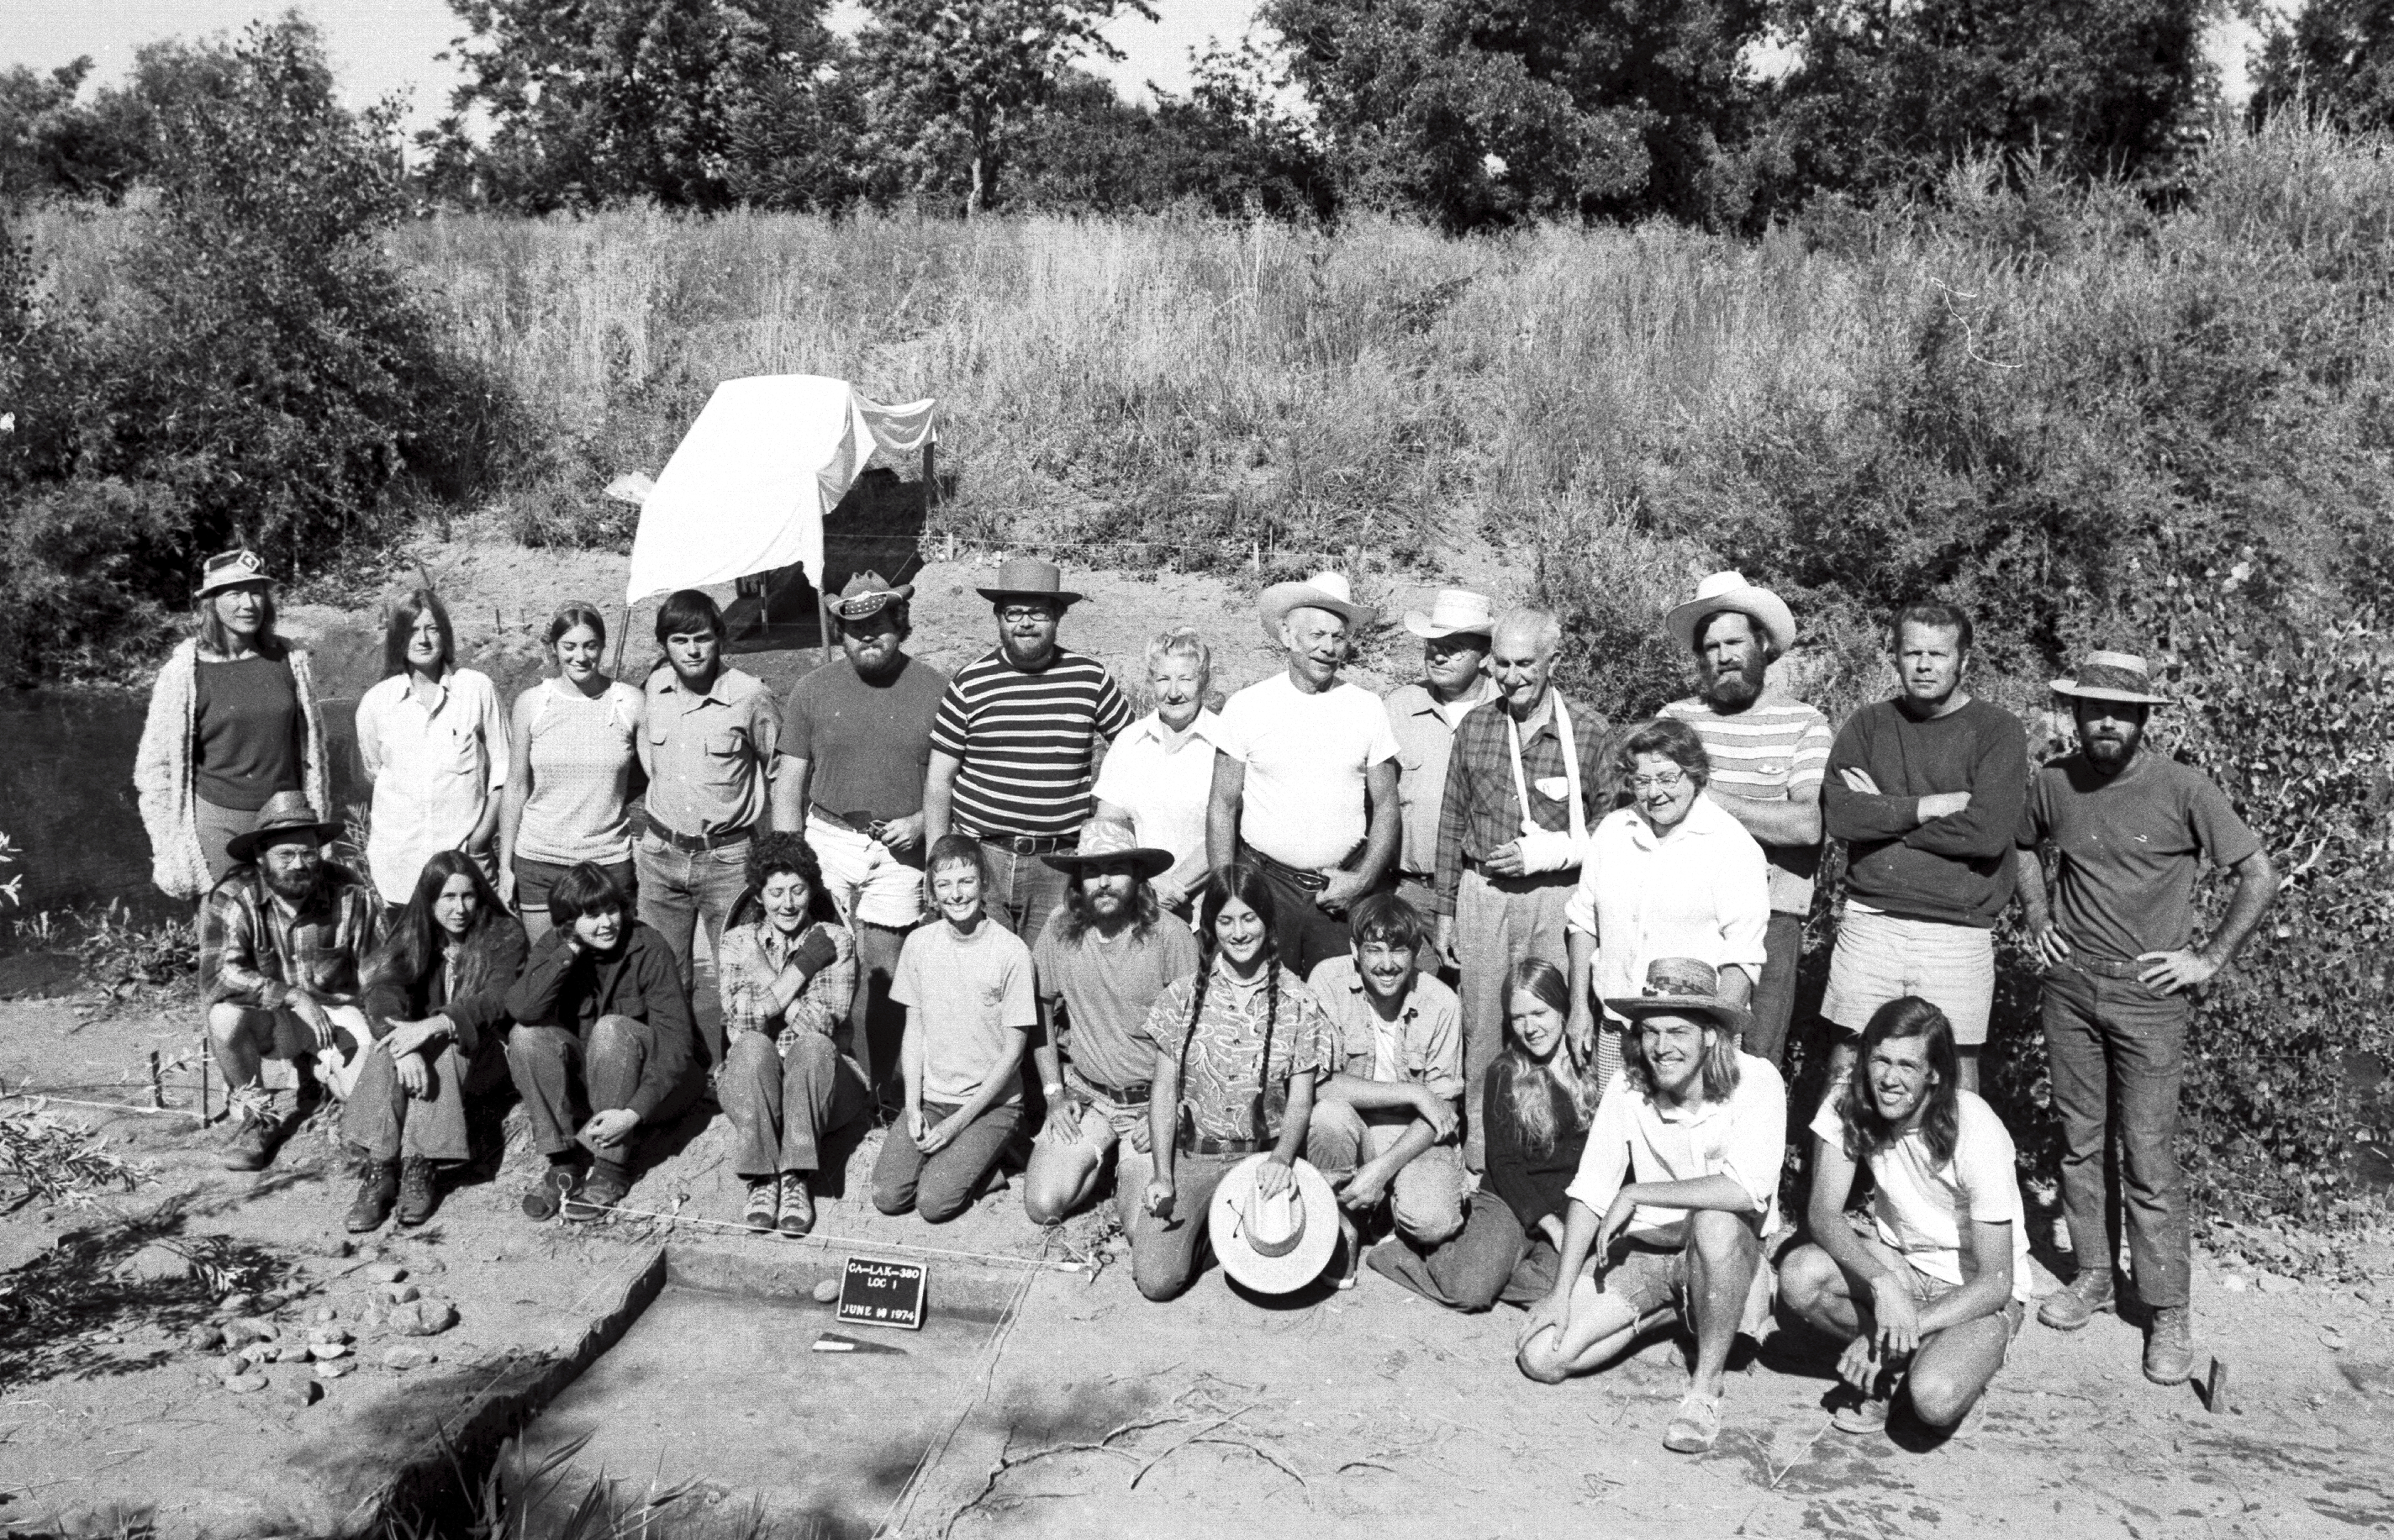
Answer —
(1694, 1426)
(557, 1184)
(2086, 1296)
(764, 1204)
(377, 1186)
(797, 1215)
(2169, 1345)
(607, 1186)
(417, 1195)
(1861, 1414)
(254, 1144)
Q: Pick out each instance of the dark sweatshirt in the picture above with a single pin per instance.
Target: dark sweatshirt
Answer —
(562, 988)
(1532, 1185)
(1955, 870)
(482, 1013)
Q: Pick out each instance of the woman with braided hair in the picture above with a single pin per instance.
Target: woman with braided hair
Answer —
(1239, 1046)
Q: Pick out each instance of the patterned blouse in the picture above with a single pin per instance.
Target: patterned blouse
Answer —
(754, 957)
(1221, 1080)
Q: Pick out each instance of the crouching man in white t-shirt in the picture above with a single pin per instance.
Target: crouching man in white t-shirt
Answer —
(1928, 1293)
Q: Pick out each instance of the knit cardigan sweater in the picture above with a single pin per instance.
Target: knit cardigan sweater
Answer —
(164, 772)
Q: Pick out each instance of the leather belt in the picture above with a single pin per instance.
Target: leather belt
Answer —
(1205, 1144)
(1028, 845)
(1122, 1096)
(855, 823)
(695, 844)
(1312, 882)
(2105, 966)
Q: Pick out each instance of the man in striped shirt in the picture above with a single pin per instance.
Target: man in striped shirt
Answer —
(1015, 747)
(1769, 752)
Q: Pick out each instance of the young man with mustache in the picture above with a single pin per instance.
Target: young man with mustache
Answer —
(2113, 928)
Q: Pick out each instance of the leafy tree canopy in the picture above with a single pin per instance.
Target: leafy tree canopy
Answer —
(2337, 60)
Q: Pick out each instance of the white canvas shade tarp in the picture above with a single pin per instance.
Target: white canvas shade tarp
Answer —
(749, 486)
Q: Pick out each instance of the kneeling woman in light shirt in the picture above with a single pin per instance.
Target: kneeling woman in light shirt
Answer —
(1672, 874)
(1159, 775)
(434, 747)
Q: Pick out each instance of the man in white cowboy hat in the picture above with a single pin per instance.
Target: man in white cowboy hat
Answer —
(1529, 778)
(1769, 752)
(281, 939)
(1926, 791)
(1676, 1185)
(1276, 1243)
(1016, 743)
(856, 735)
(1305, 771)
(1101, 962)
(1424, 715)
(2115, 930)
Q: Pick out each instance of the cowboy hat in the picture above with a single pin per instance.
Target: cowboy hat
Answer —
(1455, 612)
(2112, 677)
(230, 570)
(1276, 1245)
(1322, 591)
(1028, 577)
(1101, 842)
(867, 594)
(1731, 591)
(284, 812)
(1680, 986)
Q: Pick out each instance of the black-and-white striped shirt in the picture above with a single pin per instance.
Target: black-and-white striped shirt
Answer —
(1027, 741)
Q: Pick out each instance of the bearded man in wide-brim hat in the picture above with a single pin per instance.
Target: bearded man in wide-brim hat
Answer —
(2115, 930)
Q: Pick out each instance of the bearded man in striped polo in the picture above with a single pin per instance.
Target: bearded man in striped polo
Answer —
(1769, 754)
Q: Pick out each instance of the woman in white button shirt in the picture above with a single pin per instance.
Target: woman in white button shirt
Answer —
(434, 747)
(1159, 775)
(1672, 874)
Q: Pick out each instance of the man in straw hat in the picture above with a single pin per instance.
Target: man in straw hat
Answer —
(2114, 931)
(1099, 964)
(855, 738)
(1015, 746)
(1768, 753)
(1424, 715)
(1305, 772)
(1529, 779)
(281, 939)
(1676, 1187)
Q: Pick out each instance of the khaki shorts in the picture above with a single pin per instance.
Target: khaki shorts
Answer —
(1882, 957)
(1927, 1289)
(1653, 1282)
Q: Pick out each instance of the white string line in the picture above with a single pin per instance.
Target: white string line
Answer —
(932, 1453)
(46, 1097)
(1034, 1263)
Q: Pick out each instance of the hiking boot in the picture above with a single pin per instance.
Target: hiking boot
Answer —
(378, 1187)
(557, 1184)
(2081, 1300)
(607, 1185)
(2169, 1345)
(1694, 1426)
(797, 1215)
(1861, 1414)
(764, 1204)
(417, 1195)
(253, 1144)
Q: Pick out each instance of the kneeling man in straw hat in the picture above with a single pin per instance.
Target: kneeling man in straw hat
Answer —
(2115, 933)
(1678, 1180)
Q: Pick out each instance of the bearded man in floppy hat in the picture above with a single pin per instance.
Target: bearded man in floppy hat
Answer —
(1425, 714)
(281, 938)
(1016, 744)
(2115, 932)
(856, 742)
(1769, 752)
(1305, 772)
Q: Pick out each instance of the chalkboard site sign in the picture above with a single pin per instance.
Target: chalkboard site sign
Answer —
(882, 1294)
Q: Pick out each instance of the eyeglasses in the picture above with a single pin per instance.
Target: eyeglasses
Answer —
(1015, 614)
(1669, 783)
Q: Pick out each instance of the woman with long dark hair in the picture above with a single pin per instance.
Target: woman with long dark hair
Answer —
(1535, 1107)
(434, 747)
(573, 748)
(232, 721)
(1240, 1044)
(435, 998)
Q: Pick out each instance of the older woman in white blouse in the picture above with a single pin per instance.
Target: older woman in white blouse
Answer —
(1159, 775)
(1672, 874)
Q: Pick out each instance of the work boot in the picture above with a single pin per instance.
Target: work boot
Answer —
(377, 1186)
(417, 1195)
(2081, 1300)
(608, 1184)
(253, 1144)
(556, 1185)
(2169, 1345)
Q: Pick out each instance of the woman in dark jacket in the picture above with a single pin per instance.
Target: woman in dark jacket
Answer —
(603, 1024)
(435, 995)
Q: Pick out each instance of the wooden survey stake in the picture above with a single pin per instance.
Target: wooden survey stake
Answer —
(882, 1294)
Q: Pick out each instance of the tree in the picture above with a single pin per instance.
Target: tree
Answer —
(958, 81)
(2337, 60)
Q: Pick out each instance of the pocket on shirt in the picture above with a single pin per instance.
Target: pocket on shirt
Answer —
(726, 743)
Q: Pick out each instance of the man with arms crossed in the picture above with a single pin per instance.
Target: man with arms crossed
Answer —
(1926, 790)
(1424, 715)
(2114, 931)
(1305, 773)
(1930, 1289)
(1768, 753)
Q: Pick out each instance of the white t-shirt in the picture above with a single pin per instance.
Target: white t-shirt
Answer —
(1632, 1139)
(1306, 757)
(1920, 1209)
(1164, 781)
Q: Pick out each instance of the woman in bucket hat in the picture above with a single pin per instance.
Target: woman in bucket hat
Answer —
(234, 720)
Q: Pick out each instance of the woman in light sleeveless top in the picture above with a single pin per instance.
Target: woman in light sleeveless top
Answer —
(573, 760)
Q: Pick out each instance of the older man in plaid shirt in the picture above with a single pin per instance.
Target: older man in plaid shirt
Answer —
(281, 939)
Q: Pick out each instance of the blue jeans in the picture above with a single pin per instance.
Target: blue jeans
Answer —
(1773, 1005)
(679, 889)
(1018, 891)
(2114, 1044)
